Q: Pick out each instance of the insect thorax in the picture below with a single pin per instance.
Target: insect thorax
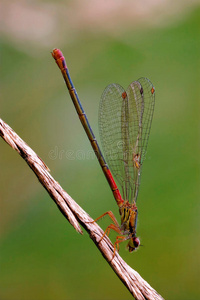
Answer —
(128, 214)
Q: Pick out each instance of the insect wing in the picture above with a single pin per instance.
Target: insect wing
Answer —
(124, 123)
(110, 129)
(140, 103)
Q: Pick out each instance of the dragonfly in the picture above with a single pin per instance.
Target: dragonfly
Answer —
(125, 119)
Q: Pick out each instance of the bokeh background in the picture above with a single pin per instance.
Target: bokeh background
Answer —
(41, 255)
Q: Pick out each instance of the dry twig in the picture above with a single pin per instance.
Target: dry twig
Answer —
(137, 286)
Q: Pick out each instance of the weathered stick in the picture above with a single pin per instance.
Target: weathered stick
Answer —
(137, 286)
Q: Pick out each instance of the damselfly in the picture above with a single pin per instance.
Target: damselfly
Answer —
(125, 119)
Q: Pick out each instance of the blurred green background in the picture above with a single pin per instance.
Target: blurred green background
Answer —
(41, 255)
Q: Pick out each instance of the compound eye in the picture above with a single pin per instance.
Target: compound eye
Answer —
(136, 242)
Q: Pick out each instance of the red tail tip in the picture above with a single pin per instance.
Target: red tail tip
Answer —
(56, 53)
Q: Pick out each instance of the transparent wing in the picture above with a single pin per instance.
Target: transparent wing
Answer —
(124, 124)
(140, 102)
(110, 129)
